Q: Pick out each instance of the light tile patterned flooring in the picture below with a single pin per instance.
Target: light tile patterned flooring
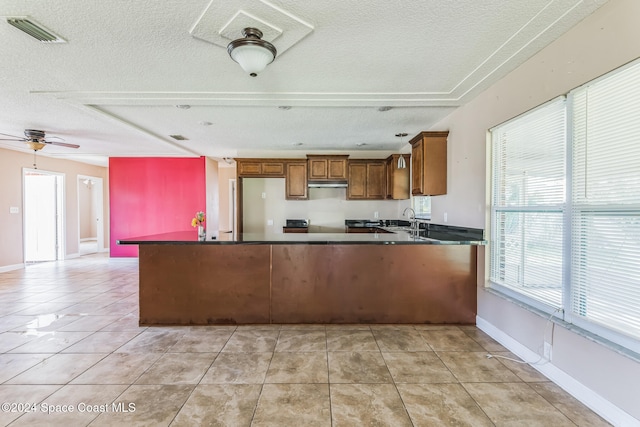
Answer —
(69, 335)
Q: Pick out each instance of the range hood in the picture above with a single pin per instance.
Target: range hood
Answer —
(327, 184)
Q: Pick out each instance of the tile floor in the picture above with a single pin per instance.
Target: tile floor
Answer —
(70, 341)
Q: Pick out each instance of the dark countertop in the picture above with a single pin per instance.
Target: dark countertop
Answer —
(396, 236)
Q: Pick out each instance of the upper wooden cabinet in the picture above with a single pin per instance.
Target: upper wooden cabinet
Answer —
(296, 181)
(429, 164)
(260, 168)
(398, 179)
(367, 179)
(329, 168)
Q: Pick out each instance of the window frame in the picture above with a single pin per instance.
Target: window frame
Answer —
(572, 208)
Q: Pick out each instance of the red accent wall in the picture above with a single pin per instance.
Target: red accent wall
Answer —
(153, 195)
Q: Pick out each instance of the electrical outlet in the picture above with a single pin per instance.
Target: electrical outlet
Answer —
(445, 217)
(547, 351)
(14, 210)
(264, 195)
(376, 215)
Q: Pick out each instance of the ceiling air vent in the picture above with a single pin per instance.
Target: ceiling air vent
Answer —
(35, 30)
(179, 137)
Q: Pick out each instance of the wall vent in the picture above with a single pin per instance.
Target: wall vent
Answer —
(179, 137)
(35, 30)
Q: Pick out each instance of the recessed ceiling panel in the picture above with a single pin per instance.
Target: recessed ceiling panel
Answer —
(222, 22)
(242, 20)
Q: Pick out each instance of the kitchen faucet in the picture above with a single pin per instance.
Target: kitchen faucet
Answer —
(412, 217)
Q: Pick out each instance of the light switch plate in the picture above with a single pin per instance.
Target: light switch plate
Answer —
(14, 210)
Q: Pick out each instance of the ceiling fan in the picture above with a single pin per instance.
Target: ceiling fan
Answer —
(36, 139)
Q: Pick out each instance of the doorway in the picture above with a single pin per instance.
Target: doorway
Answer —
(90, 215)
(43, 215)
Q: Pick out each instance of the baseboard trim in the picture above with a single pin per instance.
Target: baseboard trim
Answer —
(71, 256)
(590, 398)
(11, 267)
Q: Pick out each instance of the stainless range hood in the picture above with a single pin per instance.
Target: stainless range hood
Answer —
(327, 184)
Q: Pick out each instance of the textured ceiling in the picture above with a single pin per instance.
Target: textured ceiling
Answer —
(113, 87)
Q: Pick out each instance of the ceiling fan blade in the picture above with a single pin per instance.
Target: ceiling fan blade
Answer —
(54, 138)
(9, 139)
(62, 144)
(15, 138)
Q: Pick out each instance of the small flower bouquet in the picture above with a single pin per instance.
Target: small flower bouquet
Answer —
(199, 220)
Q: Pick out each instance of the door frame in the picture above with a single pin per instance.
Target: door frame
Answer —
(60, 211)
(98, 185)
(232, 207)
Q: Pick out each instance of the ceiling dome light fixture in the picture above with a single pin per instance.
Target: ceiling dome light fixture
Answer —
(251, 52)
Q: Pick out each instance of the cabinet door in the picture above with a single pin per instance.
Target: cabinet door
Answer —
(357, 181)
(376, 180)
(337, 168)
(273, 168)
(417, 169)
(398, 179)
(296, 181)
(249, 168)
(434, 161)
(317, 169)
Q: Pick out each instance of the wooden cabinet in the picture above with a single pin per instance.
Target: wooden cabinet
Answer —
(366, 179)
(376, 179)
(398, 179)
(329, 168)
(296, 181)
(429, 164)
(260, 168)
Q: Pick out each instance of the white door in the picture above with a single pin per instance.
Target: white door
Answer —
(40, 217)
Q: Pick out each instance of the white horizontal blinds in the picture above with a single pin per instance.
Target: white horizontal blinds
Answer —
(528, 203)
(529, 158)
(605, 215)
(527, 254)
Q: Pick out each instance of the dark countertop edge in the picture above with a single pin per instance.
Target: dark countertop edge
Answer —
(267, 242)
(170, 239)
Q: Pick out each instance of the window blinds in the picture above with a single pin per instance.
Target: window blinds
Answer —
(565, 225)
(605, 214)
(529, 193)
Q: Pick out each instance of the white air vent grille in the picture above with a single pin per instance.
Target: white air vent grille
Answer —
(35, 30)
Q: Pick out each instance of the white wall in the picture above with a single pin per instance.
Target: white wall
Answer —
(326, 209)
(11, 225)
(604, 41)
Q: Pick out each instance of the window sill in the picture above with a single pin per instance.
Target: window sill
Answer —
(610, 345)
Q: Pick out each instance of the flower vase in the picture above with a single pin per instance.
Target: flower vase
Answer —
(202, 233)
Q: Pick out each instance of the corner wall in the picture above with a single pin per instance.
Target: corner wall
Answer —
(152, 196)
(607, 39)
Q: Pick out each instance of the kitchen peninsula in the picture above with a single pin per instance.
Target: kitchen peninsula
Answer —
(387, 277)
